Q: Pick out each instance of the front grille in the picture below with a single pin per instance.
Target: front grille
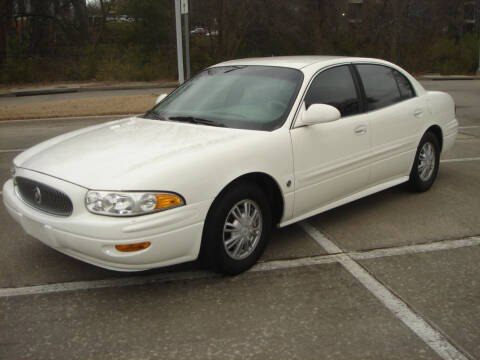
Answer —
(44, 197)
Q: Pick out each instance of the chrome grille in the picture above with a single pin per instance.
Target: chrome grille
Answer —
(43, 197)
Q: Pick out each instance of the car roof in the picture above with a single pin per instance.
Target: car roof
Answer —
(296, 62)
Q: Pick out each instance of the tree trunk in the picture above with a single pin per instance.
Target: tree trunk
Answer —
(81, 18)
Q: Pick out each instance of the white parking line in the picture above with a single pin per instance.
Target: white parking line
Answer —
(262, 266)
(399, 308)
(416, 249)
(460, 160)
(11, 150)
(469, 127)
(108, 283)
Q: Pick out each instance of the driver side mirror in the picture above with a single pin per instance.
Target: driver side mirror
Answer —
(318, 114)
(160, 98)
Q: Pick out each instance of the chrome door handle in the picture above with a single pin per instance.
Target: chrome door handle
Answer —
(418, 112)
(360, 130)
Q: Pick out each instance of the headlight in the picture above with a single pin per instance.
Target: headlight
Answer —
(130, 203)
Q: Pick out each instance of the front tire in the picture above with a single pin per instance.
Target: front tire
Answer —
(425, 166)
(236, 229)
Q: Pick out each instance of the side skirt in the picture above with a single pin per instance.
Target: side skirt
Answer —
(345, 200)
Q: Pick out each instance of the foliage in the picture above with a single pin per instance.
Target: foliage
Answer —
(135, 40)
(450, 57)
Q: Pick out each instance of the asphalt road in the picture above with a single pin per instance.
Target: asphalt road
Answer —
(393, 276)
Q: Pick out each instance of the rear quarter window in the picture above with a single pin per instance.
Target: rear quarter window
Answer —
(406, 88)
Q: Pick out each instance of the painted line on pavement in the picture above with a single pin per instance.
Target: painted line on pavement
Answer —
(108, 283)
(294, 263)
(262, 266)
(397, 306)
(68, 118)
(460, 160)
(416, 249)
(469, 127)
(12, 150)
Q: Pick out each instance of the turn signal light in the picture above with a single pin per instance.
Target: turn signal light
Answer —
(167, 200)
(132, 247)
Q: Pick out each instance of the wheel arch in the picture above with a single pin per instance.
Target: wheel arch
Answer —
(268, 185)
(437, 131)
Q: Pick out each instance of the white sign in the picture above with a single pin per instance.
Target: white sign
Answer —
(184, 7)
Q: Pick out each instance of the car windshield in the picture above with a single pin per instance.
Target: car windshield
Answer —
(244, 97)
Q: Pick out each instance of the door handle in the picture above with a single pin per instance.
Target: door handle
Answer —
(418, 112)
(360, 130)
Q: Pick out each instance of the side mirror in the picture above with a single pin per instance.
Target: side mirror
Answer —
(319, 113)
(160, 98)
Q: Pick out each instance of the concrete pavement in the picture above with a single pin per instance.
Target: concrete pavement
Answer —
(299, 303)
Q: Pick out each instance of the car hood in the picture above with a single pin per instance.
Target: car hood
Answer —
(100, 155)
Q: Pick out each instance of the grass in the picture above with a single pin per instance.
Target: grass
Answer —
(111, 105)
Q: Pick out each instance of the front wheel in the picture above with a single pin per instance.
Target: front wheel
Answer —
(425, 166)
(236, 229)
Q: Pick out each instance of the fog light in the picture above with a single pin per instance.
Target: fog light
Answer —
(132, 247)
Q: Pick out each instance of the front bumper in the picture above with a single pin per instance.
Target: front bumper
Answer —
(175, 235)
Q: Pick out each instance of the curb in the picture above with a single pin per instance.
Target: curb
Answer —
(66, 90)
(447, 78)
(86, 117)
(19, 93)
(128, 87)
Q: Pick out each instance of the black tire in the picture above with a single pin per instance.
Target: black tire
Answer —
(422, 182)
(213, 252)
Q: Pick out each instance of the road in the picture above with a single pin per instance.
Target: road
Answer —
(393, 276)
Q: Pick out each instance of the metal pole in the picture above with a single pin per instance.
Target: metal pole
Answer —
(187, 45)
(478, 70)
(477, 22)
(178, 24)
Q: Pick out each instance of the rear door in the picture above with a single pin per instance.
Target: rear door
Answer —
(395, 114)
(330, 159)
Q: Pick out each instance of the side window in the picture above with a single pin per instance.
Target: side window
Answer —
(334, 87)
(406, 89)
(380, 86)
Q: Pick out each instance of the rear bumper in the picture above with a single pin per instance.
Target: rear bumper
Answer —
(450, 135)
(175, 235)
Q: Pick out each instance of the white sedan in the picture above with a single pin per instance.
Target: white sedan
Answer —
(243, 146)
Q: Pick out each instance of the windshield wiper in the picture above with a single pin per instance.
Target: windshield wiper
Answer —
(153, 115)
(237, 67)
(195, 120)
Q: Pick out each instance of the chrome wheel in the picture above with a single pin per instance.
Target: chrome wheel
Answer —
(242, 229)
(426, 161)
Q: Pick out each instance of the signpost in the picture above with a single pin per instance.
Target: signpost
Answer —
(184, 10)
(178, 25)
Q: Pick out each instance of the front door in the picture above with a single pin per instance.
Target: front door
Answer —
(331, 159)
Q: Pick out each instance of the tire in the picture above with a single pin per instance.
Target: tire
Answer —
(236, 230)
(425, 166)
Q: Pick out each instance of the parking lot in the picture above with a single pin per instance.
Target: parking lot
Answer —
(393, 276)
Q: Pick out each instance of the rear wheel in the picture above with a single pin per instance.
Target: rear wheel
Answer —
(236, 229)
(425, 167)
